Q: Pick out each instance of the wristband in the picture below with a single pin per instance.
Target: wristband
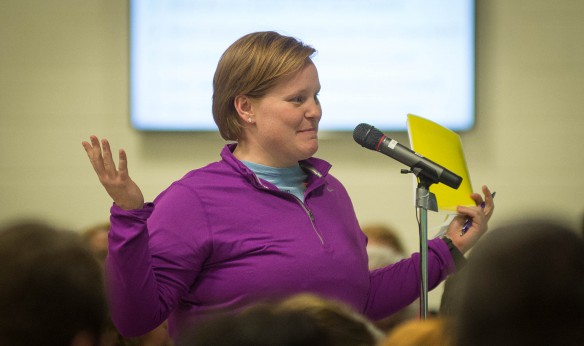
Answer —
(457, 256)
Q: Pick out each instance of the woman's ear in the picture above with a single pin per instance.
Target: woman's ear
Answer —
(244, 107)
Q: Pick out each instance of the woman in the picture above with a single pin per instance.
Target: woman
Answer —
(265, 220)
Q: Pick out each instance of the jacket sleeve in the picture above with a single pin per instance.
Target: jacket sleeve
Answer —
(154, 256)
(398, 285)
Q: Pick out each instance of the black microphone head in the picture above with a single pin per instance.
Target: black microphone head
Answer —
(368, 136)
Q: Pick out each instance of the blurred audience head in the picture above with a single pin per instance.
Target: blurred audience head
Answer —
(303, 319)
(524, 285)
(346, 326)
(582, 226)
(96, 238)
(430, 332)
(450, 295)
(260, 326)
(384, 246)
(51, 288)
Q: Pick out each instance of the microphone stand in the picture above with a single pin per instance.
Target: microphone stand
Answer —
(425, 200)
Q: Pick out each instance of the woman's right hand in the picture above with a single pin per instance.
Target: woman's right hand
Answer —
(118, 184)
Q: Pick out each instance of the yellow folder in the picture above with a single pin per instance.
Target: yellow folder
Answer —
(443, 146)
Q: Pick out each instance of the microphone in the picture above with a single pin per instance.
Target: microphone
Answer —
(371, 138)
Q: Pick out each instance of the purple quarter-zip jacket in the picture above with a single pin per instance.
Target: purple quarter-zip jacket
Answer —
(220, 238)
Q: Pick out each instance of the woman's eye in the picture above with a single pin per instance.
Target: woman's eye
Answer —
(298, 99)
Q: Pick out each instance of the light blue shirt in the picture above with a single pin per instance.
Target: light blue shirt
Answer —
(288, 179)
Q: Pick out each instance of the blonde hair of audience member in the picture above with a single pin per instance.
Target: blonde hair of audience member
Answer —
(331, 323)
(347, 326)
(524, 285)
(51, 288)
(429, 332)
(96, 237)
(384, 246)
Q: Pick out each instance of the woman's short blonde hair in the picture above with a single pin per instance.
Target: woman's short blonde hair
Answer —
(251, 66)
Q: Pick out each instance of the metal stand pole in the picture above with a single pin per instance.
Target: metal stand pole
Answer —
(425, 200)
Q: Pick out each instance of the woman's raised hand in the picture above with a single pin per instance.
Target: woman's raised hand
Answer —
(118, 184)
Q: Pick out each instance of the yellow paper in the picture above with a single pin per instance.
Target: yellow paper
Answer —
(443, 146)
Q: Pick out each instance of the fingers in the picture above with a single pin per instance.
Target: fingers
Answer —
(480, 214)
(471, 212)
(477, 215)
(108, 161)
(93, 151)
(88, 150)
(123, 163)
(100, 156)
(477, 198)
(89, 147)
(489, 204)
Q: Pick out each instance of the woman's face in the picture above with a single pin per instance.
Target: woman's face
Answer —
(285, 121)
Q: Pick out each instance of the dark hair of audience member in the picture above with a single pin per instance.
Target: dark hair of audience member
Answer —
(582, 226)
(51, 288)
(524, 285)
(259, 326)
(450, 295)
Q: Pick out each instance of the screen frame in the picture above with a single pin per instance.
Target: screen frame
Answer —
(154, 128)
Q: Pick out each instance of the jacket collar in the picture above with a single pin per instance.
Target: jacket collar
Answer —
(316, 168)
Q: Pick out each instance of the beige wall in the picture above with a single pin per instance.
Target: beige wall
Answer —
(64, 76)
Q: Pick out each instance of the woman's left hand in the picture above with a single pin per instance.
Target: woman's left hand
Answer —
(478, 217)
